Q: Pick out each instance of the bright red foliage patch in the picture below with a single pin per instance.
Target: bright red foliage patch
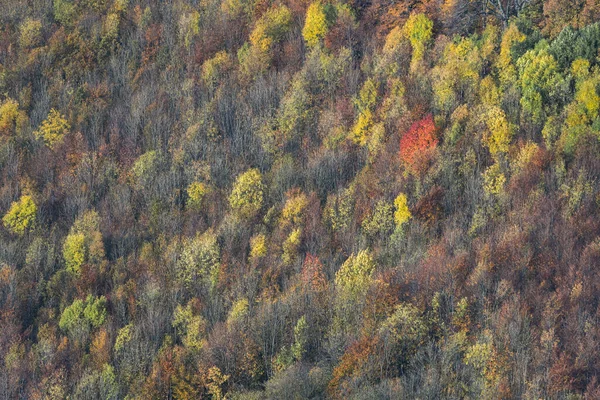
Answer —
(418, 141)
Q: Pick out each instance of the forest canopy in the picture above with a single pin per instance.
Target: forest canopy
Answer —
(329, 199)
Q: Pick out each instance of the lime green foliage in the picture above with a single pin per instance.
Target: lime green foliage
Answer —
(190, 328)
(288, 355)
(214, 68)
(354, 276)
(196, 192)
(489, 93)
(64, 12)
(72, 315)
(84, 243)
(380, 221)
(95, 310)
(238, 311)
(30, 33)
(21, 215)
(300, 338)
(53, 129)
(199, 261)
(236, 8)
(271, 27)
(290, 246)
(405, 329)
(540, 78)
(402, 213)
(145, 166)
(419, 30)
(189, 27)
(246, 198)
(123, 337)
(294, 109)
(91, 312)
(317, 23)
(74, 252)
(458, 74)
(258, 246)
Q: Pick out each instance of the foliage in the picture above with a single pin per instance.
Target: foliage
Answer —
(199, 260)
(317, 23)
(12, 119)
(346, 200)
(31, 33)
(21, 215)
(402, 213)
(53, 129)
(420, 139)
(196, 192)
(419, 30)
(246, 197)
(271, 27)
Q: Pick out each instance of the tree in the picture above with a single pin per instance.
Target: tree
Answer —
(12, 118)
(30, 33)
(354, 276)
(418, 142)
(319, 18)
(199, 261)
(21, 215)
(196, 192)
(541, 81)
(190, 328)
(507, 72)
(504, 10)
(246, 197)
(500, 131)
(84, 243)
(53, 129)
(271, 27)
(419, 30)
(402, 213)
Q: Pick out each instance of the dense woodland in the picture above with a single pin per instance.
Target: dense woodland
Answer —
(286, 199)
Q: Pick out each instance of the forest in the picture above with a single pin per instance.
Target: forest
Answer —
(299, 199)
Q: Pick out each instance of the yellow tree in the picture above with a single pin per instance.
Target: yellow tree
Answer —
(316, 24)
(21, 215)
(246, 198)
(53, 129)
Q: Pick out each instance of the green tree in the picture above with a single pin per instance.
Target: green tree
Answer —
(419, 30)
(246, 197)
(541, 81)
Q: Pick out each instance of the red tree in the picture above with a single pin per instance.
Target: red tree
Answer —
(417, 143)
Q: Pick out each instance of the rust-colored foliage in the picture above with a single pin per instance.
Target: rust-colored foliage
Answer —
(356, 363)
(418, 142)
(430, 208)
